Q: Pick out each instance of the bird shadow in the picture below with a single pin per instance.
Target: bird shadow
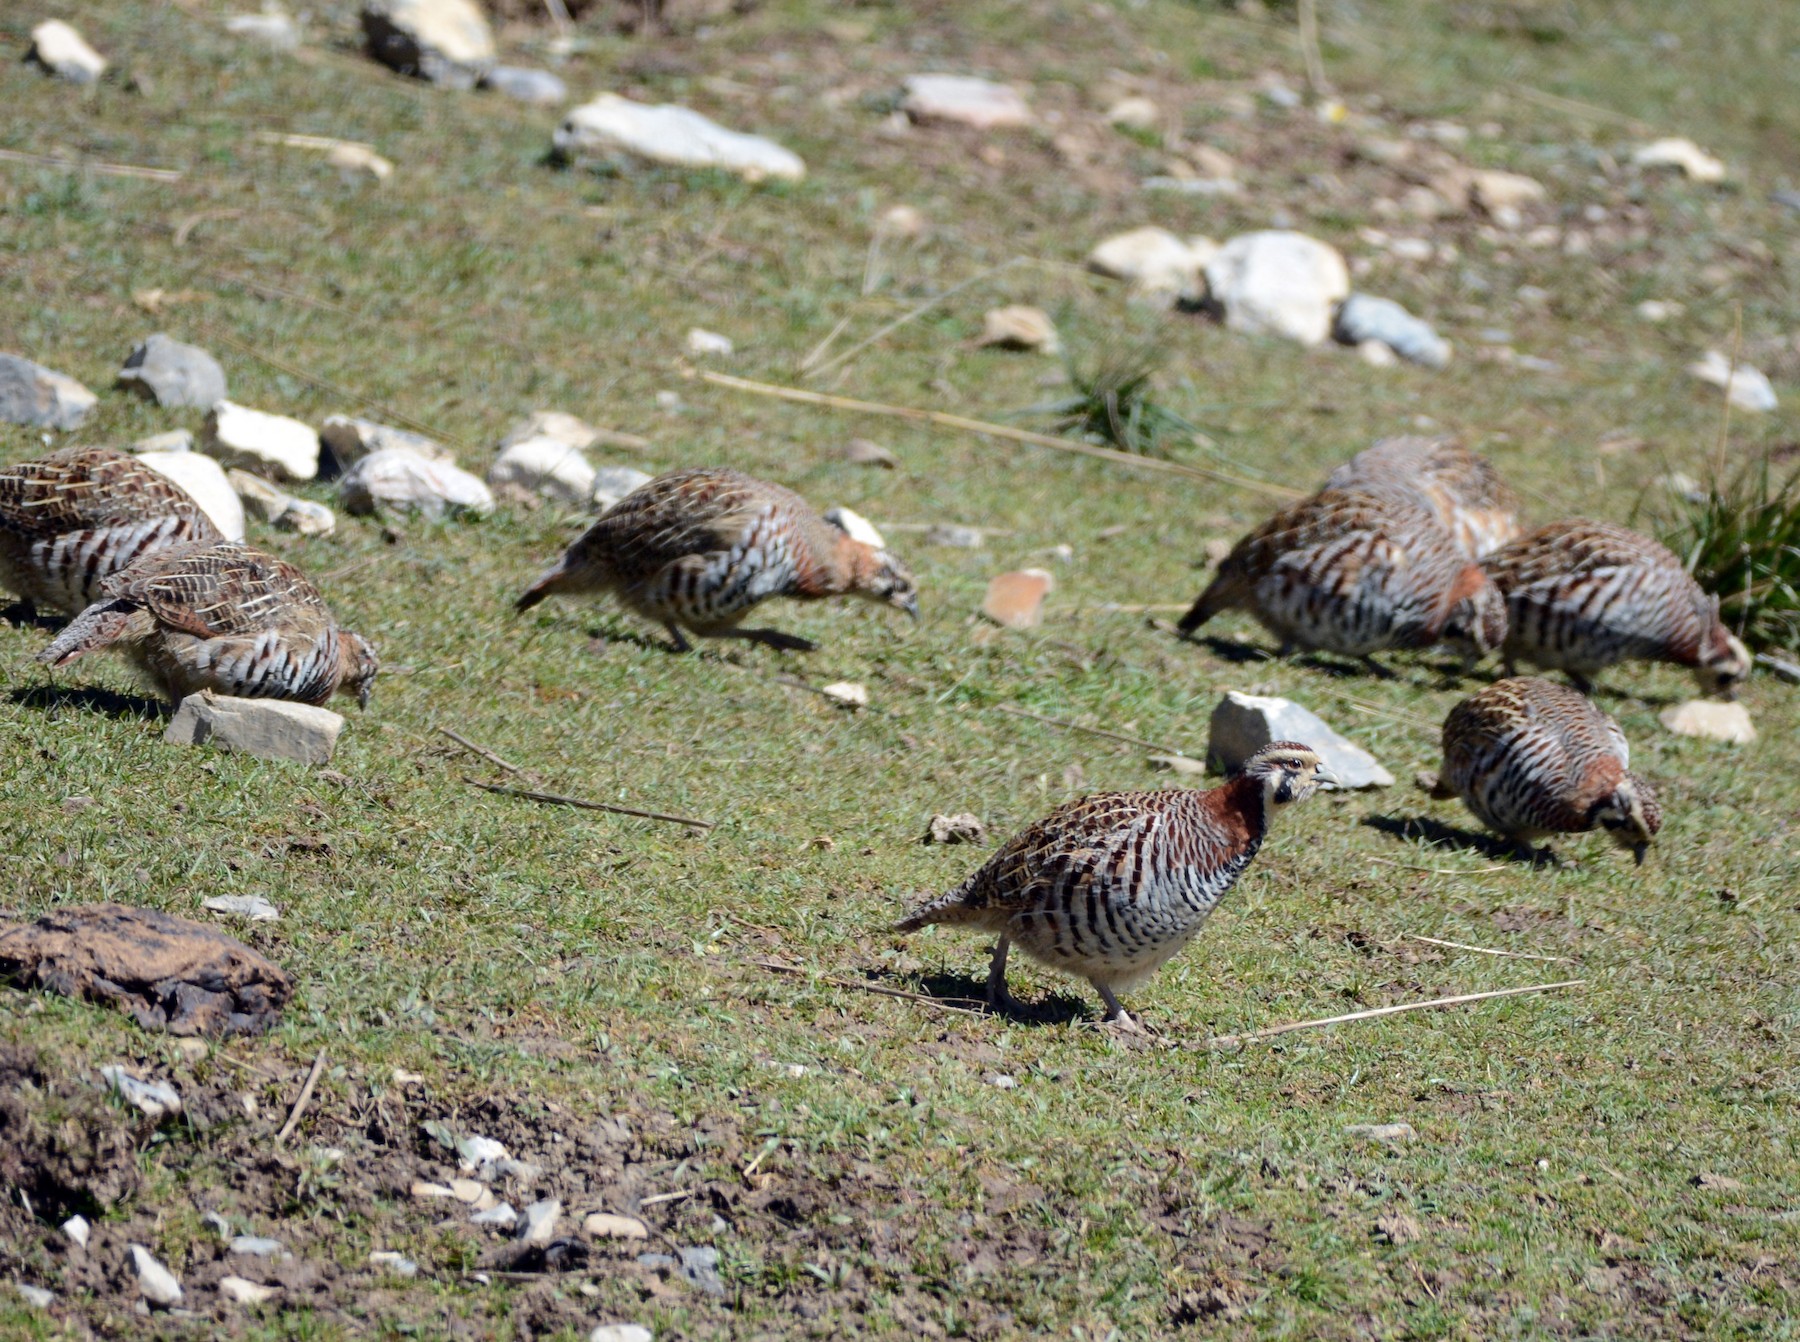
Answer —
(1227, 651)
(90, 699)
(24, 615)
(964, 990)
(635, 637)
(1436, 834)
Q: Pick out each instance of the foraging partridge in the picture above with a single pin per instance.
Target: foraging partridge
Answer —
(1353, 572)
(697, 549)
(1531, 758)
(72, 519)
(1461, 487)
(1112, 886)
(225, 618)
(1582, 595)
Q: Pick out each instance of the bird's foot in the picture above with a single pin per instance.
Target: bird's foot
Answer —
(1127, 1031)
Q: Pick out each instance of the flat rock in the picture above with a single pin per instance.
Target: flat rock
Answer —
(1710, 720)
(155, 1282)
(206, 483)
(168, 973)
(273, 28)
(397, 1263)
(399, 479)
(243, 1291)
(156, 1100)
(964, 100)
(570, 429)
(1134, 113)
(612, 483)
(346, 440)
(170, 373)
(608, 1225)
(1157, 264)
(612, 128)
(257, 1246)
(847, 692)
(1184, 765)
(857, 527)
(254, 907)
(538, 1222)
(77, 1230)
(448, 42)
(271, 445)
(1019, 327)
(955, 536)
(1495, 191)
(701, 343)
(1363, 317)
(959, 828)
(1243, 724)
(1683, 154)
(1016, 600)
(540, 88)
(1747, 388)
(1387, 1133)
(270, 729)
(544, 466)
(1278, 283)
(175, 440)
(501, 1216)
(621, 1332)
(33, 395)
(62, 51)
(863, 452)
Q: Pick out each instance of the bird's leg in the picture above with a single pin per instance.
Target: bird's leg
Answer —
(1117, 1018)
(1508, 669)
(1000, 1002)
(678, 638)
(1580, 682)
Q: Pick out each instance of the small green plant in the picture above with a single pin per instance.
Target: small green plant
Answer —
(1113, 401)
(1741, 539)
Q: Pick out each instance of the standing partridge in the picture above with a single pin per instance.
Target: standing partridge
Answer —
(697, 549)
(226, 618)
(1582, 595)
(1110, 887)
(1353, 572)
(1530, 758)
(1477, 507)
(72, 519)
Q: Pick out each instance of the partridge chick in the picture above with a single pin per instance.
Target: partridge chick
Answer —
(697, 549)
(1581, 596)
(1462, 488)
(225, 618)
(1110, 887)
(1530, 758)
(72, 519)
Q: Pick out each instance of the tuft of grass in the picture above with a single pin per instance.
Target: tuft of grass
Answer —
(1114, 400)
(1742, 540)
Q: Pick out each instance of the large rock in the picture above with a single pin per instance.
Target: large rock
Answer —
(446, 41)
(1278, 283)
(1156, 263)
(173, 374)
(1363, 317)
(1243, 724)
(32, 394)
(271, 445)
(544, 466)
(206, 483)
(347, 440)
(270, 729)
(395, 478)
(965, 100)
(65, 53)
(612, 128)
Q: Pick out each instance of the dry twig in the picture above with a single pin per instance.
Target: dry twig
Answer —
(306, 1094)
(777, 967)
(1091, 731)
(1226, 1040)
(90, 165)
(1483, 950)
(581, 803)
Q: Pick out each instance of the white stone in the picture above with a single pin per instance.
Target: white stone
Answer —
(847, 692)
(609, 1225)
(258, 1246)
(621, 1332)
(500, 1215)
(1681, 152)
(242, 1291)
(544, 466)
(1746, 387)
(397, 1263)
(77, 1229)
(38, 1298)
(537, 87)
(306, 518)
(1711, 720)
(965, 100)
(557, 424)
(157, 1100)
(1134, 114)
(612, 483)
(423, 1188)
(1155, 263)
(471, 1191)
(359, 160)
(401, 479)
(903, 221)
(540, 1221)
(1363, 318)
(612, 127)
(1278, 283)
(1388, 1133)
(701, 343)
(1019, 327)
(172, 373)
(254, 907)
(1496, 191)
(1658, 310)
(479, 1152)
(272, 28)
(1185, 765)
(33, 395)
(205, 481)
(155, 1282)
(448, 42)
(261, 499)
(175, 440)
(65, 53)
(1243, 724)
(350, 439)
(271, 445)
(270, 729)
(857, 527)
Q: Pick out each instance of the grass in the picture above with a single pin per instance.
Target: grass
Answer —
(545, 970)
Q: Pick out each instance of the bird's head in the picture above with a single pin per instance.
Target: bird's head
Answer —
(358, 665)
(884, 578)
(1724, 660)
(1476, 624)
(1631, 815)
(1288, 771)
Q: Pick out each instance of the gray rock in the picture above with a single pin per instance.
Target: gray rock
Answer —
(612, 483)
(272, 28)
(1278, 283)
(280, 509)
(173, 374)
(501, 1216)
(399, 479)
(540, 1221)
(38, 1298)
(621, 1332)
(258, 1246)
(448, 42)
(1363, 317)
(254, 907)
(271, 445)
(611, 128)
(270, 729)
(157, 1100)
(62, 51)
(155, 1282)
(347, 440)
(175, 440)
(538, 87)
(34, 395)
(544, 466)
(697, 1265)
(1242, 724)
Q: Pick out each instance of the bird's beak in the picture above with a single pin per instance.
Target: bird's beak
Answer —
(362, 695)
(1325, 778)
(910, 604)
(1637, 853)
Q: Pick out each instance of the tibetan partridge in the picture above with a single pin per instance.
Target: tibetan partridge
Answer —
(1477, 507)
(74, 518)
(697, 549)
(1110, 887)
(226, 618)
(1531, 758)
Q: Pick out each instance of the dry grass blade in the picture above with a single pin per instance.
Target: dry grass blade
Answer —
(583, 804)
(1089, 731)
(1485, 950)
(1436, 1003)
(306, 1094)
(775, 966)
(91, 165)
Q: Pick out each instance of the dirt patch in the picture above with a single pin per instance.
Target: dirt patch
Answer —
(63, 1146)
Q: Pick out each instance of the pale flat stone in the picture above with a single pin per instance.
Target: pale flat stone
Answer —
(39, 1298)
(448, 42)
(1243, 724)
(1495, 191)
(1681, 153)
(1134, 114)
(607, 1225)
(242, 1291)
(271, 729)
(272, 27)
(65, 53)
(254, 907)
(1019, 327)
(570, 429)
(847, 692)
(173, 374)
(349, 439)
(258, 1246)
(1362, 318)
(261, 499)
(37, 396)
(175, 440)
(397, 1263)
(1389, 1134)
(863, 452)
(271, 445)
(156, 1100)
(1155, 262)
(965, 100)
(539, 1221)
(621, 1332)
(1748, 388)
(612, 127)
(77, 1229)
(857, 527)
(613, 483)
(1184, 765)
(155, 1282)
(544, 466)
(206, 483)
(1711, 720)
(500, 1215)
(397, 478)
(1278, 283)
(1016, 600)
(701, 343)
(424, 1188)
(540, 88)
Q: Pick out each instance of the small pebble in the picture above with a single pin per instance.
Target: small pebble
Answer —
(155, 1282)
(397, 1263)
(258, 1246)
(501, 1215)
(607, 1225)
(245, 1292)
(540, 1221)
(39, 1298)
(78, 1230)
(621, 1332)
(1000, 1081)
(1390, 1133)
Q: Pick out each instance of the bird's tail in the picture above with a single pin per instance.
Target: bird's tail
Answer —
(1208, 604)
(547, 583)
(100, 625)
(960, 905)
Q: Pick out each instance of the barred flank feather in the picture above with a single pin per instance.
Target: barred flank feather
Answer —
(1461, 488)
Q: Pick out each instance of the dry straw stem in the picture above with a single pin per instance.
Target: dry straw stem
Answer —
(306, 1093)
(1484, 950)
(69, 164)
(1090, 731)
(1230, 1040)
(982, 426)
(777, 967)
(583, 804)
